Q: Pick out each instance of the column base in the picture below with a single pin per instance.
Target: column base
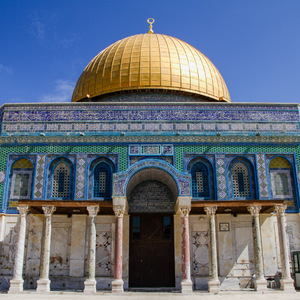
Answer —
(214, 286)
(117, 286)
(15, 286)
(186, 286)
(43, 286)
(260, 285)
(90, 286)
(287, 285)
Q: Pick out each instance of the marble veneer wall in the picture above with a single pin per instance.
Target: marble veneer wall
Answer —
(68, 250)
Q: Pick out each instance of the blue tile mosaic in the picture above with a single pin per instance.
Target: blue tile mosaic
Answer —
(188, 117)
(39, 176)
(262, 176)
(221, 176)
(110, 112)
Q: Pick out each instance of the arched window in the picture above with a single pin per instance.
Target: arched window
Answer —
(61, 181)
(21, 179)
(281, 178)
(241, 181)
(200, 180)
(102, 181)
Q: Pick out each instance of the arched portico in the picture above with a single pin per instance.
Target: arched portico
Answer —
(147, 169)
(152, 191)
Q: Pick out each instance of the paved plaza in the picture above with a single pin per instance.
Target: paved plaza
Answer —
(248, 295)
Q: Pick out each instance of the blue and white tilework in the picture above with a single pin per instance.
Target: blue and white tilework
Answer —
(166, 117)
(39, 177)
(151, 149)
(221, 176)
(121, 179)
(262, 176)
(80, 176)
(2, 176)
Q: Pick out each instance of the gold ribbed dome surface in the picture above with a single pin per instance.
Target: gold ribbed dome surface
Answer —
(150, 61)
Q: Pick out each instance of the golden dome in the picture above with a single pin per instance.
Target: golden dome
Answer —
(150, 61)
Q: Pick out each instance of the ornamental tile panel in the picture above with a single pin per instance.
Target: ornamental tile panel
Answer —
(2, 176)
(166, 117)
(91, 127)
(168, 127)
(110, 112)
(238, 126)
(151, 126)
(39, 177)
(251, 126)
(80, 176)
(136, 126)
(122, 126)
(262, 175)
(181, 126)
(81, 126)
(221, 176)
(195, 126)
(66, 127)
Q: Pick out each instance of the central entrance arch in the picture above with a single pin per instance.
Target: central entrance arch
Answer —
(151, 195)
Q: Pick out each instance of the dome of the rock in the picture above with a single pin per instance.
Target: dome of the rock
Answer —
(146, 62)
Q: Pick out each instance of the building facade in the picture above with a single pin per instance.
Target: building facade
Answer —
(150, 178)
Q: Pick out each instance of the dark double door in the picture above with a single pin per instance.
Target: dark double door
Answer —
(151, 260)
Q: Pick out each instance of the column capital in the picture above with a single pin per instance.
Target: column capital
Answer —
(49, 210)
(254, 210)
(210, 210)
(184, 211)
(93, 210)
(23, 209)
(183, 203)
(119, 211)
(280, 210)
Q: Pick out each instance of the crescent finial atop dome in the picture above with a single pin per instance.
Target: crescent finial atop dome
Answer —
(150, 21)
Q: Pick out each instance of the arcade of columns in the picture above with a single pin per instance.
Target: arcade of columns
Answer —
(183, 208)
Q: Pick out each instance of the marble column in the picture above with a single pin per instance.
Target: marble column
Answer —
(186, 282)
(287, 283)
(118, 283)
(43, 284)
(213, 282)
(16, 283)
(90, 281)
(260, 283)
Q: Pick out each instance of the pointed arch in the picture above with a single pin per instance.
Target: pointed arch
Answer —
(61, 175)
(21, 175)
(202, 175)
(281, 178)
(242, 179)
(100, 178)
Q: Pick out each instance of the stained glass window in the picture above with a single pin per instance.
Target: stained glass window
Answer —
(241, 181)
(102, 181)
(61, 181)
(200, 180)
(21, 180)
(281, 178)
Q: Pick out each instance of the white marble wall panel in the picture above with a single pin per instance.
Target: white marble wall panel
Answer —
(77, 251)
(33, 250)
(226, 250)
(60, 246)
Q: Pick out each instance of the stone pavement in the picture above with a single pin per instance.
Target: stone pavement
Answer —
(247, 295)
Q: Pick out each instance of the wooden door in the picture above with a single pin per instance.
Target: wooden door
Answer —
(151, 260)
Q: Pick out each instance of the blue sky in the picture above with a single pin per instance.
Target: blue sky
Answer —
(45, 45)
